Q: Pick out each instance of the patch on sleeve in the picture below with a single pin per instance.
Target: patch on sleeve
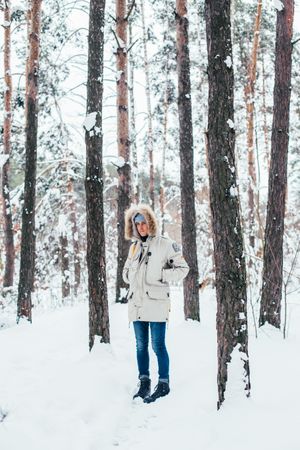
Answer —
(176, 247)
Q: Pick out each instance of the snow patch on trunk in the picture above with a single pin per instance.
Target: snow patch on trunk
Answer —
(90, 121)
(3, 159)
(278, 5)
(237, 376)
(228, 62)
(230, 123)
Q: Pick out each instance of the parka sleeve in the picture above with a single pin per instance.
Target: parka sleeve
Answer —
(128, 263)
(126, 270)
(177, 265)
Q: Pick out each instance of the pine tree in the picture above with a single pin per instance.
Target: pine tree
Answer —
(133, 135)
(253, 198)
(149, 139)
(124, 169)
(27, 260)
(6, 206)
(98, 303)
(191, 282)
(270, 309)
(229, 257)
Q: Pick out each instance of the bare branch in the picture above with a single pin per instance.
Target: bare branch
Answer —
(295, 42)
(113, 18)
(132, 45)
(130, 9)
(116, 37)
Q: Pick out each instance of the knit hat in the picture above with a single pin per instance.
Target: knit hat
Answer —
(139, 218)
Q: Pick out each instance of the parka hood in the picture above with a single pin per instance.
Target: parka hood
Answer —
(130, 227)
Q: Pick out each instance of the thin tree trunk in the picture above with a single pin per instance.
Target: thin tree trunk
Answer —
(124, 171)
(224, 200)
(188, 228)
(166, 102)
(149, 112)
(31, 129)
(249, 98)
(7, 216)
(270, 309)
(75, 237)
(136, 189)
(162, 197)
(162, 189)
(96, 262)
(65, 266)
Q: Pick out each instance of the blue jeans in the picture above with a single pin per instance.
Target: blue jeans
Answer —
(158, 331)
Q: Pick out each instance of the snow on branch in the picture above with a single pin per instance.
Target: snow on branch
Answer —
(120, 162)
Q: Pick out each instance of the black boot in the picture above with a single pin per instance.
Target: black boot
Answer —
(144, 389)
(161, 390)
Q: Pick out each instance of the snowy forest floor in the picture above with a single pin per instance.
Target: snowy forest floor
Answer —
(54, 394)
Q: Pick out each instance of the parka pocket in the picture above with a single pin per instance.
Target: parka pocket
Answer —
(133, 268)
(158, 293)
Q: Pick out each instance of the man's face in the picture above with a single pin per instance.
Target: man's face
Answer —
(142, 228)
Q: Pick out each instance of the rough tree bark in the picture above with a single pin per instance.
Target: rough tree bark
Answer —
(224, 201)
(28, 214)
(149, 111)
(270, 309)
(124, 171)
(188, 227)
(96, 263)
(6, 207)
(28, 29)
(253, 198)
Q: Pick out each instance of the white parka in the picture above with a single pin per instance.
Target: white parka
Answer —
(149, 268)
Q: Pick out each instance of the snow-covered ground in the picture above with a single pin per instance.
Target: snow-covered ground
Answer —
(54, 394)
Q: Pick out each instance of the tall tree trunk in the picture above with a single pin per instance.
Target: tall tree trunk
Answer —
(31, 129)
(75, 237)
(188, 228)
(136, 189)
(149, 112)
(7, 216)
(96, 262)
(270, 308)
(224, 200)
(249, 98)
(124, 171)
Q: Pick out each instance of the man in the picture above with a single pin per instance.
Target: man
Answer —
(153, 262)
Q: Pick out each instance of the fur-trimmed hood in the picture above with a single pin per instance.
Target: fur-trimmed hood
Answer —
(130, 227)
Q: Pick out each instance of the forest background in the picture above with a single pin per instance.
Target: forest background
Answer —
(62, 110)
